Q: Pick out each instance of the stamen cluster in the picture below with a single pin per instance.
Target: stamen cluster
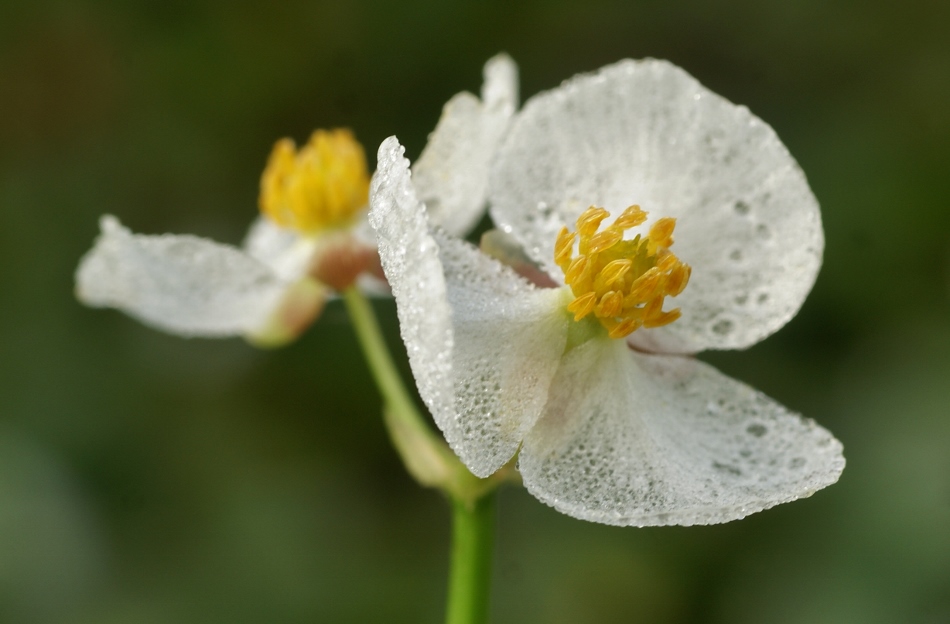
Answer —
(621, 282)
(320, 187)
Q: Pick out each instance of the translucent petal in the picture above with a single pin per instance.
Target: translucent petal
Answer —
(368, 283)
(500, 82)
(645, 132)
(634, 439)
(283, 250)
(181, 284)
(508, 341)
(483, 344)
(451, 174)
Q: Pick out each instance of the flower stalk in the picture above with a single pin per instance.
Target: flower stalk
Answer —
(473, 536)
(433, 464)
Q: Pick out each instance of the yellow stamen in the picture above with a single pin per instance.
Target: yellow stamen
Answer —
(644, 287)
(662, 318)
(564, 248)
(583, 305)
(621, 282)
(614, 271)
(610, 306)
(631, 217)
(661, 233)
(319, 187)
(577, 271)
(625, 327)
(604, 240)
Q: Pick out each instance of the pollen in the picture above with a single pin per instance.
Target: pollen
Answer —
(622, 283)
(319, 187)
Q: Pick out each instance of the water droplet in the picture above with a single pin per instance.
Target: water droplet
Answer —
(742, 208)
(756, 429)
(726, 468)
(723, 327)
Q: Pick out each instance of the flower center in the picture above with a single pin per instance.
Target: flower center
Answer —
(621, 282)
(319, 187)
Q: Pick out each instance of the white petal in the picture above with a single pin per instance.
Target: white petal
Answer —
(508, 341)
(483, 344)
(647, 133)
(500, 86)
(368, 283)
(181, 284)
(451, 174)
(634, 439)
(283, 250)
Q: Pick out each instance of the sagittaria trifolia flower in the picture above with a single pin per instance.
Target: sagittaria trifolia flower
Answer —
(311, 238)
(669, 221)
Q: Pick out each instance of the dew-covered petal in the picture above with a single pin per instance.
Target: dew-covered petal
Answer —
(451, 174)
(282, 249)
(483, 344)
(647, 133)
(635, 439)
(181, 284)
(508, 340)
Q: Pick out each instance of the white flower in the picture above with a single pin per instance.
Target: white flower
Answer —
(603, 431)
(312, 237)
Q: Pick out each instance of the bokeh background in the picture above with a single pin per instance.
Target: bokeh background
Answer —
(149, 479)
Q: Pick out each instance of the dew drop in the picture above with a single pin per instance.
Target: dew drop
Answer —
(742, 208)
(722, 327)
(757, 430)
(727, 468)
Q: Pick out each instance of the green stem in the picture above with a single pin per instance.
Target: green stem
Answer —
(425, 455)
(473, 536)
(377, 355)
(429, 459)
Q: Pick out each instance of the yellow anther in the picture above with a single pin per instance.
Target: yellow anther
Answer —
(610, 305)
(661, 232)
(631, 217)
(621, 282)
(662, 318)
(625, 328)
(582, 306)
(653, 307)
(678, 279)
(644, 287)
(590, 220)
(604, 240)
(666, 261)
(321, 186)
(578, 271)
(564, 247)
(614, 271)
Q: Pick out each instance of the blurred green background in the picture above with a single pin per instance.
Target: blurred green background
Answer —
(149, 479)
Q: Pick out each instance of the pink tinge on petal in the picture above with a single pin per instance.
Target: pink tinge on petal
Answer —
(341, 260)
